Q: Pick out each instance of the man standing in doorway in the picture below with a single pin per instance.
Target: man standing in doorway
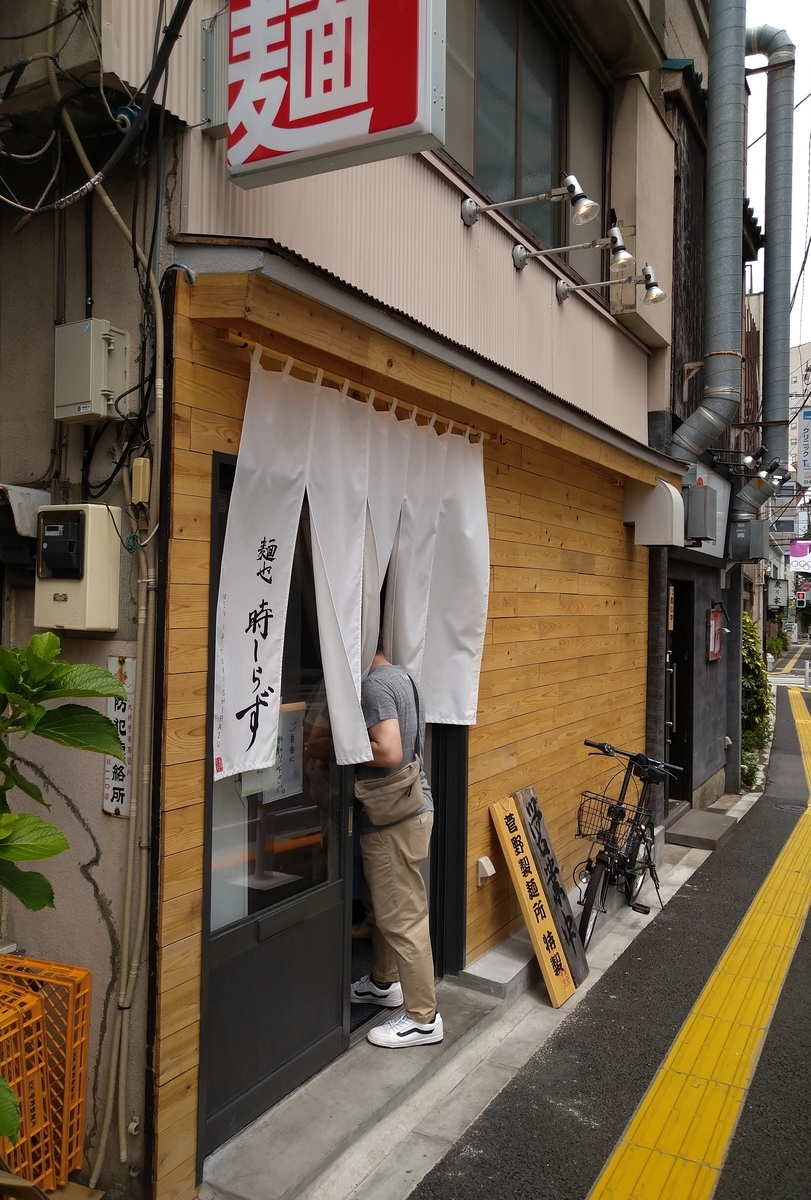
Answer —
(394, 891)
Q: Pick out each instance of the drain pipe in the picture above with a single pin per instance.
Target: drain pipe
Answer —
(723, 241)
(779, 49)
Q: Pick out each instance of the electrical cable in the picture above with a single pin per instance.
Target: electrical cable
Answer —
(800, 275)
(133, 933)
(760, 136)
(76, 11)
(171, 34)
(30, 157)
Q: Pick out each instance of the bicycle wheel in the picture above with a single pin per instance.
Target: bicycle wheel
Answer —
(593, 901)
(636, 871)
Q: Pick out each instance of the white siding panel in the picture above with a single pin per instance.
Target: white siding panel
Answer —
(392, 230)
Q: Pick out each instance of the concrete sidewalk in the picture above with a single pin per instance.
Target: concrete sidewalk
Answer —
(374, 1123)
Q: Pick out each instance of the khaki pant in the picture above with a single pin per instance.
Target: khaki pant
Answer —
(397, 910)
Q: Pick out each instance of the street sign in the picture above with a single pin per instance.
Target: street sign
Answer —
(317, 85)
(777, 593)
(804, 448)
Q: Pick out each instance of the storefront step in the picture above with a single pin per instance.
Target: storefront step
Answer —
(281, 1154)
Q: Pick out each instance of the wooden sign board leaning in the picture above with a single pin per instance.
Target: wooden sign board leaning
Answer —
(546, 938)
(546, 866)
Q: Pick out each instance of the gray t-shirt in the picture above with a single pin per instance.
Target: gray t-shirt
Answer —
(387, 693)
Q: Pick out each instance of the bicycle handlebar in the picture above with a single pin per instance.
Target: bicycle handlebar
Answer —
(641, 760)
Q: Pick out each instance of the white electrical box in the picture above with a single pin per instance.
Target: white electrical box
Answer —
(78, 565)
(91, 369)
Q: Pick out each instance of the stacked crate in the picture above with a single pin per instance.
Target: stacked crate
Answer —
(44, 1027)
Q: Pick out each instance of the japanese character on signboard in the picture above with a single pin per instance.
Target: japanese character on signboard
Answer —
(309, 75)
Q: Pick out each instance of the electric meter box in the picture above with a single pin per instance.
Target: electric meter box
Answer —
(78, 565)
(91, 368)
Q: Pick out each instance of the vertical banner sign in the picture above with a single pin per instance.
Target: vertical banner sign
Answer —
(317, 85)
(804, 448)
(117, 774)
(546, 866)
(545, 937)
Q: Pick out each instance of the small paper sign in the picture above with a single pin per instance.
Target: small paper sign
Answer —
(286, 776)
(117, 774)
(546, 940)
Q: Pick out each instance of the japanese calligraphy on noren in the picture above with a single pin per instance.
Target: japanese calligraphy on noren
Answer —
(545, 863)
(308, 78)
(117, 774)
(525, 874)
(258, 627)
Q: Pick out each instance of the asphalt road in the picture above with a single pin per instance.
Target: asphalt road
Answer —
(548, 1134)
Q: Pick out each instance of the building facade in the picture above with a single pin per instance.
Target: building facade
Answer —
(367, 279)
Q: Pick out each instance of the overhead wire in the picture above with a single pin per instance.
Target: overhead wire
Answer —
(20, 37)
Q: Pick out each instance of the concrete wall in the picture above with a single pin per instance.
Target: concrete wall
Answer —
(85, 926)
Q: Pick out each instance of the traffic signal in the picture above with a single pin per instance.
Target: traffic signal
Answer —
(800, 601)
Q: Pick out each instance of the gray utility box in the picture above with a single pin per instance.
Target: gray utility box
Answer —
(748, 540)
(214, 75)
(700, 513)
(91, 368)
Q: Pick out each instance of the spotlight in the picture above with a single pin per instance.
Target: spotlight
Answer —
(765, 472)
(653, 293)
(751, 460)
(621, 256)
(583, 209)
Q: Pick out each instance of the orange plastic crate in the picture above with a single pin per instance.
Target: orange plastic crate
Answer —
(65, 992)
(23, 1063)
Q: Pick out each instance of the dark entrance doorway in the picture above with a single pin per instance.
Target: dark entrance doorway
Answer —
(277, 947)
(276, 969)
(679, 688)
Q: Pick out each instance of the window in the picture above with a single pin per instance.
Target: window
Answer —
(523, 107)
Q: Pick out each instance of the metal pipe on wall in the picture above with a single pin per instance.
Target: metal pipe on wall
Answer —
(723, 234)
(779, 49)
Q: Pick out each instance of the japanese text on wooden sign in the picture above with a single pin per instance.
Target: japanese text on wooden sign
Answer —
(546, 940)
(549, 873)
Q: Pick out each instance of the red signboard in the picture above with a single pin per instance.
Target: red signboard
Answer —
(315, 85)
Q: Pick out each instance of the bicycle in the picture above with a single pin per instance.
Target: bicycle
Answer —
(624, 831)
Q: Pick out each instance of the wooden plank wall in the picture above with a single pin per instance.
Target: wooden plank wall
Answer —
(565, 655)
(564, 659)
(210, 387)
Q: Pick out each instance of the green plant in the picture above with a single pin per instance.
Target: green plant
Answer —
(749, 769)
(29, 677)
(785, 639)
(757, 706)
(774, 645)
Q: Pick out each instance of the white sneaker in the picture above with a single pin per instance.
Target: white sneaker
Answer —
(366, 991)
(402, 1031)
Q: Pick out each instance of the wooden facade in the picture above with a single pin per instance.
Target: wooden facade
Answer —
(566, 637)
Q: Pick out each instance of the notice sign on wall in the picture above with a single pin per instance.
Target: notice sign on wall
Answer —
(286, 776)
(117, 774)
(316, 85)
(546, 938)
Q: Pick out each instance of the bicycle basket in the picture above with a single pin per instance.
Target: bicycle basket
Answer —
(603, 819)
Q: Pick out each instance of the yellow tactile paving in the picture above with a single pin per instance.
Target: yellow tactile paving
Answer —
(790, 664)
(677, 1140)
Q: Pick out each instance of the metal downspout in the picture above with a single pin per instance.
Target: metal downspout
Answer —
(779, 49)
(777, 45)
(723, 234)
